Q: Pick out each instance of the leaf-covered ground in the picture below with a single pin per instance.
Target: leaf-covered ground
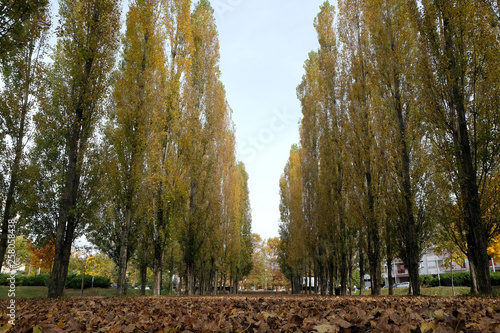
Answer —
(255, 314)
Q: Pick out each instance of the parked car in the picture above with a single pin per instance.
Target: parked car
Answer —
(403, 285)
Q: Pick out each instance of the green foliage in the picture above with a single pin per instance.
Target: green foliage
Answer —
(426, 280)
(495, 278)
(459, 279)
(13, 16)
(26, 280)
(74, 281)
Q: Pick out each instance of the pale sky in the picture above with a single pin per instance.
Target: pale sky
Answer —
(263, 46)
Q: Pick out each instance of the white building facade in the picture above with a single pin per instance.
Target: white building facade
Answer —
(430, 264)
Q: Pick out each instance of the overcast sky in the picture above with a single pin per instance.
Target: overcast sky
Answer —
(263, 46)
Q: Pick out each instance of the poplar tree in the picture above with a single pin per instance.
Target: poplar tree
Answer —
(21, 71)
(138, 92)
(459, 75)
(83, 60)
(293, 231)
(206, 123)
(166, 172)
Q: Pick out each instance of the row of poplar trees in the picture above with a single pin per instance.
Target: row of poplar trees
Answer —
(130, 144)
(399, 141)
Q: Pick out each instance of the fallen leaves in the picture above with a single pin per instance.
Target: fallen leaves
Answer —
(256, 314)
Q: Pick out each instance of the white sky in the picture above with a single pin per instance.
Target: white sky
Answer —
(263, 46)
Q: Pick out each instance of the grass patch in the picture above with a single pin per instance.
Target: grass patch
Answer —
(434, 291)
(41, 292)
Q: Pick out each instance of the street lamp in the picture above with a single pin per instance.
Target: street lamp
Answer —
(437, 266)
(93, 272)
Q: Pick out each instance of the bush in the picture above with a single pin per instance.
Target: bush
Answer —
(26, 280)
(426, 280)
(459, 279)
(75, 281)
(495, 278)
(3, 279)
(33, 280)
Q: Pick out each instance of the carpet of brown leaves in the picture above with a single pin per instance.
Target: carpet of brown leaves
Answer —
(255, 314)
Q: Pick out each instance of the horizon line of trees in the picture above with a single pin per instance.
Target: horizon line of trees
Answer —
(138, 154)
(399, 142)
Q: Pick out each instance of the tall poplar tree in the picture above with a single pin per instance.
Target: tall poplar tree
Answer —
(138, 92)
(83, 60)
(293, 231)
(394, 48)
(459, 75)
(21, 72)
(206, 122)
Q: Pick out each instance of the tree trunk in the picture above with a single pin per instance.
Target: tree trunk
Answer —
(477, 239)
(190, 285)
(235, 287)
(123, 260)
(373, 239)
(361, 271)
(157, 269)
(331, 273)
(144, 270)
(59, 270)
(389, 275)
(66, 223)
(349, 270)
(411, 237)
(83, 283)
(472, 268)
(215, 283)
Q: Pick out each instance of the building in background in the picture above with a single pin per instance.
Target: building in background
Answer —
(430, 264)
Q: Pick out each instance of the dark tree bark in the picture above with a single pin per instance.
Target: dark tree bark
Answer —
(477, 239)
(361, 254)
(67, 220)
(411, 237)
(144, 270)
(124, 255)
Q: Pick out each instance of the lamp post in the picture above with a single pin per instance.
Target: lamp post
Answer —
(437, 266)
(93, 272)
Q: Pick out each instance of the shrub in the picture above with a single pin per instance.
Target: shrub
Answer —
(34, 280)
(26, 280)
(3, 279)
(75, 281)
(495, 278)
(426, 280)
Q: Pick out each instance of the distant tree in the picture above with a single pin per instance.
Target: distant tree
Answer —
(292, 250)
(42, 256)
(276, 276)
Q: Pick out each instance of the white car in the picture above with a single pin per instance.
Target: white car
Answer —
(403, 285)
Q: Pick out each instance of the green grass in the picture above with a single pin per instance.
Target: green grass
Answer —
(434, 291)
(41, 292)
